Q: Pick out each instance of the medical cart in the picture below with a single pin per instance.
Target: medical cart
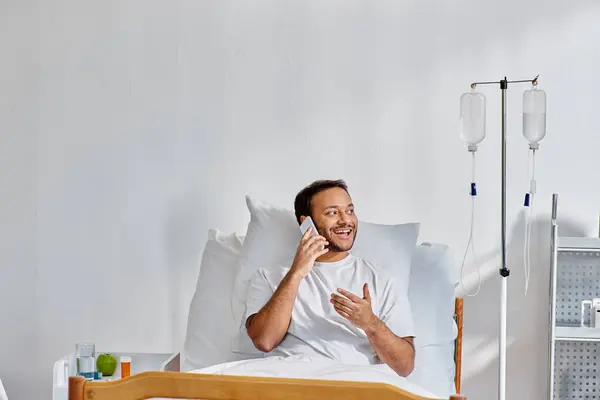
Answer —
(574, 348)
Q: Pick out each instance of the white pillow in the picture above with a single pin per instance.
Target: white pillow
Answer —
(210, 323)
(432, 286)
(272, 238)
(432, 292)
(2, 392)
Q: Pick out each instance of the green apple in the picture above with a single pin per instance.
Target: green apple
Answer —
(106, 364)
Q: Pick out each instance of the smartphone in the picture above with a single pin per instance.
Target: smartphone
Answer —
(308, 222)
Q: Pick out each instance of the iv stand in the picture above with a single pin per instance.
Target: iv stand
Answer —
(504, 271)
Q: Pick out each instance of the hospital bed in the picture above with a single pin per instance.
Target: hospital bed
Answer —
(192, 374)
(181, 385)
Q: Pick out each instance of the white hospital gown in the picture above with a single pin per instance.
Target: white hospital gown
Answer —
(316, 328)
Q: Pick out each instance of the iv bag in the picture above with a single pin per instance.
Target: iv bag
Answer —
(534, 115)
(472, 119)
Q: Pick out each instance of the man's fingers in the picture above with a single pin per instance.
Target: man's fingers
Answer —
(351, 296)
(342, 300)
(345, 307)
(306, 234)
(318, 243)
(321, 252)
(366, 294)
(342, 312)
(314, 241)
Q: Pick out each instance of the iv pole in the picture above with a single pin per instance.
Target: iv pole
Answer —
(504, 271)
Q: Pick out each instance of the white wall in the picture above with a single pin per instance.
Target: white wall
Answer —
(18, 195)
(128, 128)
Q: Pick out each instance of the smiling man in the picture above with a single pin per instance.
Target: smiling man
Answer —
(328, 302)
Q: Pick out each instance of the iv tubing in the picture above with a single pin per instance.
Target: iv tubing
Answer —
(528, 221)
(470, 242)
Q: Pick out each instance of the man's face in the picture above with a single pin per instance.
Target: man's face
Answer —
(333, 215)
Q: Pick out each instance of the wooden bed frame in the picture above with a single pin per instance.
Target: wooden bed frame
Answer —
(182, 385)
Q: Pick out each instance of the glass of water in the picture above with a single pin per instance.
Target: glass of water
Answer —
(86, 360)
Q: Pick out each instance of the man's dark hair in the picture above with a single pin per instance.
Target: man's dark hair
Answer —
(303, 201)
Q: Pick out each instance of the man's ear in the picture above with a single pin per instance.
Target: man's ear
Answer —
(302, 218)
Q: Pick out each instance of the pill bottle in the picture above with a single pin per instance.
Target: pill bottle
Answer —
(125, 366)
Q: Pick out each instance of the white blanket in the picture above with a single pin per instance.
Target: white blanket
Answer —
(315, 368)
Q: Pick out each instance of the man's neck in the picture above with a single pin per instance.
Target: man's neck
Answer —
(332, 256)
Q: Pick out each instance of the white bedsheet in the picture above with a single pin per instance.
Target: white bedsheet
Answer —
(315, 368)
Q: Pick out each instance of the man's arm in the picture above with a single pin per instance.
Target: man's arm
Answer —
(397, 352)
(268, 326)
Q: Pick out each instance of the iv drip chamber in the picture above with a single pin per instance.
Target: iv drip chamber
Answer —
(534, 116)
(472, 119)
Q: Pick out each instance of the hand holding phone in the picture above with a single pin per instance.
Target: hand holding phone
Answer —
(311, 246)
(308, 223)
